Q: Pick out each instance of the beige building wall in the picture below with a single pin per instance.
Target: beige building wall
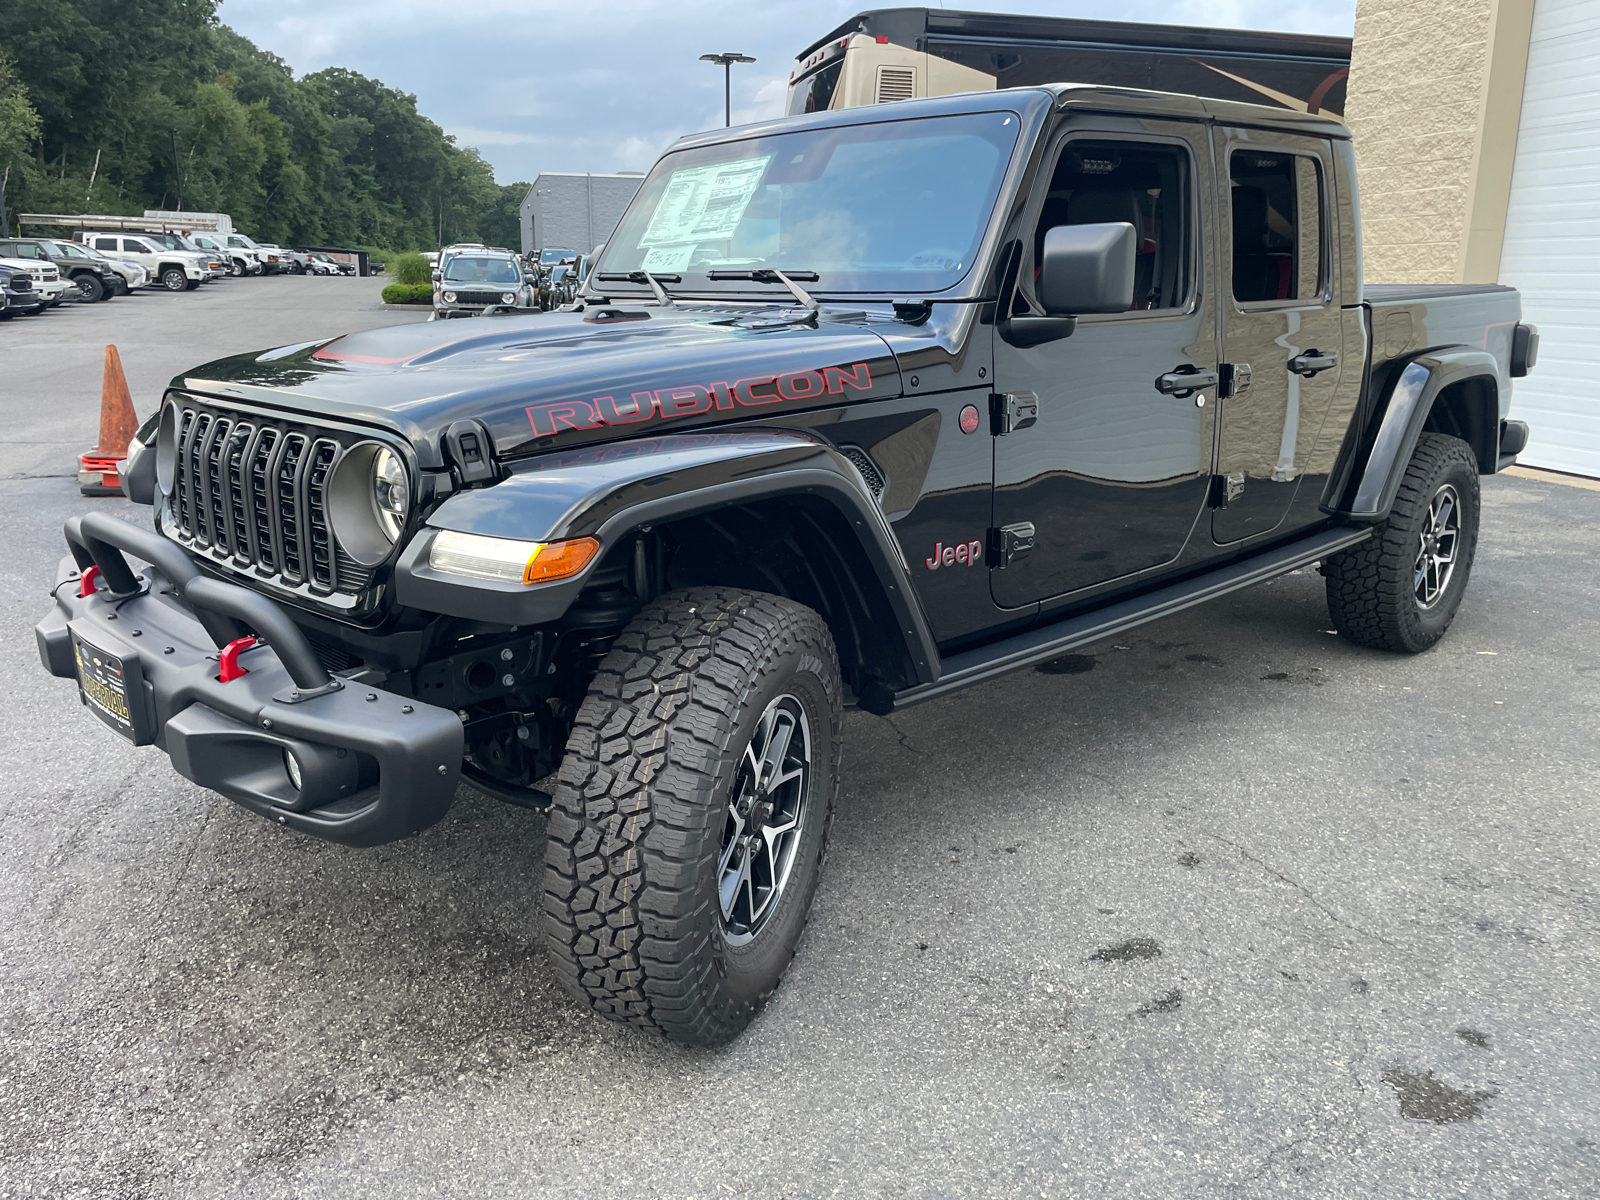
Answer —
(1434, 97)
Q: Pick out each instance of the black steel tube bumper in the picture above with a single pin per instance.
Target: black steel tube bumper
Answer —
(373, 766)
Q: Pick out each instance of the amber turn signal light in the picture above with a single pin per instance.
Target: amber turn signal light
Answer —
(560, 560)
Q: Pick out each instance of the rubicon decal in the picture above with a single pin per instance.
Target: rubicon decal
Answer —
(963, 554)
(694, 398)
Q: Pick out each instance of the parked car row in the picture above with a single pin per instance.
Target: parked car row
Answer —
(471, 279)
(38, 273)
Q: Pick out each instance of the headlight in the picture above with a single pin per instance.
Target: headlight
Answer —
(508, 297)
(449, 297)
(391, 494)
(509, 560)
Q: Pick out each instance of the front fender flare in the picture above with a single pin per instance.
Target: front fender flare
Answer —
(1382, 460)
(608, 491)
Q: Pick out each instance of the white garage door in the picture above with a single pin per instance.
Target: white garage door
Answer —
(1552, 246)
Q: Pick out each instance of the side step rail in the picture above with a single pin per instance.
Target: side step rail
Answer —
(1047, 641)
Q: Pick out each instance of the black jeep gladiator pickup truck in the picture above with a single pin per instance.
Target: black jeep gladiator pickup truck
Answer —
(857, 408)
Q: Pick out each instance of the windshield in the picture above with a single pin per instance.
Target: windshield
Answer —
(550, 258)
(70, 250)
(895, 205)
(465, 268)
(239, 239)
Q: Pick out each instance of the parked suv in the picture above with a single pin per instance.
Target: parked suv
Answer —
(477, 281)
(94, 279)
(852, 412)
(174, 270)
(128, 274)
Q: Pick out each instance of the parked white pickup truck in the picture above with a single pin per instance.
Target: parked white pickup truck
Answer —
(47, 281)
(174, 270)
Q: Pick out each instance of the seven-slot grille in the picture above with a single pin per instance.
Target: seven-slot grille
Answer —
(253, 493)
(478, 297)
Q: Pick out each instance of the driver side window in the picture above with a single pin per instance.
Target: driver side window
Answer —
(1145, 184)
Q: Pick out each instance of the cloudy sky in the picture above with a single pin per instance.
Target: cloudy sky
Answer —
(551, 85)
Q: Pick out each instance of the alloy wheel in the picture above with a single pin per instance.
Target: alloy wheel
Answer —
(766, 811)
(1436, 556)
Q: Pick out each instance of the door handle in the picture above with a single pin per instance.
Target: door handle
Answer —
(1185, 381)
(1312, 361)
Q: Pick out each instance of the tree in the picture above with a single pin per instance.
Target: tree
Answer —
(334, 157)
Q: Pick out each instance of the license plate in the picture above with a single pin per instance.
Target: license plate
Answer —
(113, 688)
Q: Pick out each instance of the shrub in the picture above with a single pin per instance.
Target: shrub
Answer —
(411, 268)
(408, 293)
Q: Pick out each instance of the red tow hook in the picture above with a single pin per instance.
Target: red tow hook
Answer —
(229, 657)
(86, 581)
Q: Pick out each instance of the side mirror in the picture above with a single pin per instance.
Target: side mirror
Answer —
(1088, 269)
(139, 476)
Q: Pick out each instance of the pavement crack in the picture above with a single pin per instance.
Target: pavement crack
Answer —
(901, 735)
(1304, 891)
(1266, 1163)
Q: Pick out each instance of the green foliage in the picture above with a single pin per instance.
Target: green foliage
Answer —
(19, 123)
(411, 268)
(176, 104)
(408, 293)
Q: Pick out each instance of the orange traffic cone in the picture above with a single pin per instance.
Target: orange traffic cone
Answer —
(97, 470)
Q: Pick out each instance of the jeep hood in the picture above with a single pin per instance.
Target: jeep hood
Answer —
(551, 380)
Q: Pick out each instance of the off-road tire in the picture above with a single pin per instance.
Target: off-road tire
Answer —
(631, 906)
(1371, 587)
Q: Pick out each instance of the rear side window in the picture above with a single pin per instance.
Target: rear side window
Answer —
(105, 243)
(1278, 226)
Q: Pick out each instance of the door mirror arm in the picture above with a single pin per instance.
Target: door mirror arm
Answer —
(1027, 331)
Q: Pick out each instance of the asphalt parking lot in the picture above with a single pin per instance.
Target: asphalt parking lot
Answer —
(1228, 908)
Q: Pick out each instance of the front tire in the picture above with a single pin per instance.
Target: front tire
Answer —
(89, 288)
(174, 280)
(1400, 590)
(690, 824)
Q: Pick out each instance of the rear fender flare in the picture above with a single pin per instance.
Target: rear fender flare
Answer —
(1403, 415)
(610, 491)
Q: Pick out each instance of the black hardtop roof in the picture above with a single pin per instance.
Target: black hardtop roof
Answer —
(1140, 102)
(911, 27)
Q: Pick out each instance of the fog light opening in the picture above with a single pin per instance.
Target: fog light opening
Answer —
(291, 764)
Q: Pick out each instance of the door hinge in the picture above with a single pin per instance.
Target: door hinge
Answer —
(1011, 411)
(1009, 542)
(1226, 488)
(1235, 379)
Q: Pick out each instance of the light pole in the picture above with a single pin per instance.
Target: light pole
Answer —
(726, 60)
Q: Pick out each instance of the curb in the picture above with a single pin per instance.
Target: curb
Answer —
(409, 307)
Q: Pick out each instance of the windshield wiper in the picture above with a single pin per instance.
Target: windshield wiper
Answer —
(773, 275)
(654, 280)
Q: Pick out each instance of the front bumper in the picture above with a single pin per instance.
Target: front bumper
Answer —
(375, 766)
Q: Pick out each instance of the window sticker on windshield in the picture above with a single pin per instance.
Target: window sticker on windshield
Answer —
(666, 259)
(700, 204)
